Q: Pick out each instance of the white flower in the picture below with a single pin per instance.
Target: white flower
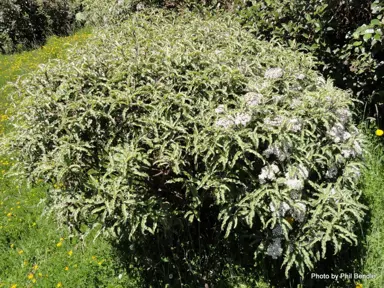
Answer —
(277, 231)
(220, 109)
(299, 213)
(295, 125)
(357, 148)
(140, 7)
(276, 122)
(295, 184)
(347, 153)
(274, 249)
(343, 115)
(295, 103)
(253, 99)
(338, 133)
(224, 122)
(295, 195)
(120, 276)
(273, 73)
(300, 76)
(242, 118)
(268, 173)
(281, 153)
(284, 208)
(331, 172)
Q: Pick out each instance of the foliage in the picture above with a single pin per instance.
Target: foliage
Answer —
(99, 12)
(25, 24)
(330, 30)
(188, 127)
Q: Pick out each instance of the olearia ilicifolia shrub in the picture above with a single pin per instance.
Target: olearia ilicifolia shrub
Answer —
(168, 117)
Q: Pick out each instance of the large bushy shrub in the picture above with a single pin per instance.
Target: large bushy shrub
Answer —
(190, 129)
(329, 30)
(27, 23)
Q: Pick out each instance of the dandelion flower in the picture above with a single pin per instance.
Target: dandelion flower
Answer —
(33, 280)
(14, 286)
(59, 285)
(21, 252)
(66, 268)
(70, 252)
(379, 132)
(35, 267)
(40, 275)
(30, 276)
(59, 244)
(9, 214)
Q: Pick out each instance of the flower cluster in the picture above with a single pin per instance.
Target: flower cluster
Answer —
(281, 153)
(274, 73)
(338, 133)
(274, 249)
(229, 121)
(253, 99)
(344, 115)
(268, 173)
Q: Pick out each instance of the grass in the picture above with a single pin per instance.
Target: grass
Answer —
(35, 252)
(373, 190)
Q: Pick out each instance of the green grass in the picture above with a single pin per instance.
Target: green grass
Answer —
(374, 191)
(30, 253)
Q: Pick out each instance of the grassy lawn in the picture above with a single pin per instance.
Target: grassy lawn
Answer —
(374, 191)
(35, 252)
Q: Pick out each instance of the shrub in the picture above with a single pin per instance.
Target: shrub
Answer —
(190, 128)
(113, 12)
(24, 24)
(328, 29)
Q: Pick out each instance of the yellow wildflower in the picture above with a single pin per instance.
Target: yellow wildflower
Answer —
(18, 202)
(101, 262)
(59, 244)
(34, 280)
(61, 239)
(70, 252)
(20, 252)
(14, 286)
(358, 285)
(59, 285)
(35, 267)
(93, 257)
(12, 245)
(379, 132)
(66, 268)
(30, 276)
(9, 214)
(40, 275)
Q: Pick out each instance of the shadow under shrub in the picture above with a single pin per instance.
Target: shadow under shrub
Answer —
(186, 132)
